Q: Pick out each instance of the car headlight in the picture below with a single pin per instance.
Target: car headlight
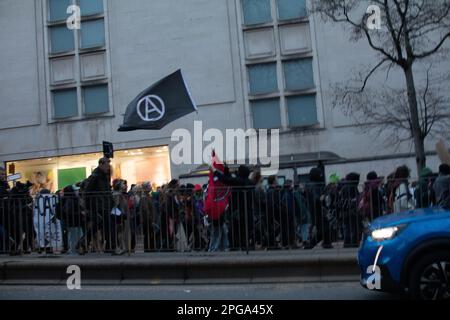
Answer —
(386, 233)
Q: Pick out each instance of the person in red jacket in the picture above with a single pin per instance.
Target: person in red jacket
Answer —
(216, 202)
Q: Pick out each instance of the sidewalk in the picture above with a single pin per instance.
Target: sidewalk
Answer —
(316, 265)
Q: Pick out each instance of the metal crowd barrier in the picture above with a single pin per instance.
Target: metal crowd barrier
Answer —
(257, 218)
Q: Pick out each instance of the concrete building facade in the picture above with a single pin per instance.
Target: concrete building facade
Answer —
(249, 64)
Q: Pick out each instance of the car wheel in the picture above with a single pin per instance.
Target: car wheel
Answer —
(430, 277)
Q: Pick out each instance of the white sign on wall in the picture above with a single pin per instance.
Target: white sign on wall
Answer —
(14, 177)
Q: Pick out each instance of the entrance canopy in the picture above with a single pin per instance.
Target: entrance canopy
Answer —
(298, 160)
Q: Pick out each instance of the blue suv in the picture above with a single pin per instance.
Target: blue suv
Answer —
(408, 252)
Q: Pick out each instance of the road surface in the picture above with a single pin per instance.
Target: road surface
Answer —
(281, 291)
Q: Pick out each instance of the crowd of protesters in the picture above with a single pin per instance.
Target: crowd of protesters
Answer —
(95, 216)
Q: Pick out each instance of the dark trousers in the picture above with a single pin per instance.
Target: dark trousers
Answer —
(241, 230)
(287, 230)
(270, 226)
(352, 230)
(149, 235)
(106, 224)
(133, 227)
(165, 239)
(3, 239)
(21, 225)
(323, 229)
(110, 223)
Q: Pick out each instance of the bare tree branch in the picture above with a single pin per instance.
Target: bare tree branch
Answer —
(414, 32)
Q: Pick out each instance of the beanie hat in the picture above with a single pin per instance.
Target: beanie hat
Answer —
(425, 172)
(353, 177)
(315, 175)
(372, 175)
(334, 178)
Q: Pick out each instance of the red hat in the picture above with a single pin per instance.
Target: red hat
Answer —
(197, 187)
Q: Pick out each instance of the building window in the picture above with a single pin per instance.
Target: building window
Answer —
(266, 114)
(91, 7)
(61, 40)
(291, 9)
(279, 61)
(95, 99)
(256, 11)
(92, 34)
(298, 74)
(58, 9)
(259, 43)
(65, 103)
(77, 61)
(295, 39)
(263, 78)
(302, 111)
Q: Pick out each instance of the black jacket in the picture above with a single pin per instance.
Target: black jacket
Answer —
(313, 193)
(273, 204)
(4, 194)
(69, 211)
(98, 182)
(98, 197)
(348, 199)
(4, 201)
(170, 207)
(242, 192)
(4, 189)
